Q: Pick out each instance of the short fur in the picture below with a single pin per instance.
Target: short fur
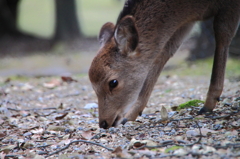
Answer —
(147, 34)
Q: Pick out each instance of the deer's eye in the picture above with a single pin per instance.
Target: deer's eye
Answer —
(113, 84)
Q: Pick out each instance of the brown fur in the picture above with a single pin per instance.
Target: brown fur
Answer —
(147, 34)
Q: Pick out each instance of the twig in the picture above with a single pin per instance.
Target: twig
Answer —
(77, 141)
(34, 109)
(224, 116)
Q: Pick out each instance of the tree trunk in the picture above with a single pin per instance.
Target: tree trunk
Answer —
(205, 42)
(234, 49)
(8, 18)
(66, 27)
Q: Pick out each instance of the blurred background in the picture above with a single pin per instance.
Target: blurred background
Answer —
(46, 37)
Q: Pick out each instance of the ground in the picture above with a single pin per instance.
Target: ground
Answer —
(57, 117)
(48, 108)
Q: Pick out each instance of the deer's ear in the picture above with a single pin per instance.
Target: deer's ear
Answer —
(126, 35)
(106, 33)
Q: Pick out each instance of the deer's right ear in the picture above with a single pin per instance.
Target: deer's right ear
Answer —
(106, 33)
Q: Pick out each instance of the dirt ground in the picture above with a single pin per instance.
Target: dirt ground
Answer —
(48, 109)
(57, 117)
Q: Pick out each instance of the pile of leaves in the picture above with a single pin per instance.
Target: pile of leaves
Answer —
(57, 117)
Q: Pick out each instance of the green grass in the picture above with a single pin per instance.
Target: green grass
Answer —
(204, 68)
(38, 16)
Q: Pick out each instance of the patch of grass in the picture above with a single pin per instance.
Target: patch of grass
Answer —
(190, 103)
(204, 68)
(168, 90)
(19, 78)
(171, 149)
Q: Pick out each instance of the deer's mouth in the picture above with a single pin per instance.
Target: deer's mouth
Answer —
(116, 121)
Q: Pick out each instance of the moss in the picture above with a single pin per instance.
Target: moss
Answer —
(190, 103)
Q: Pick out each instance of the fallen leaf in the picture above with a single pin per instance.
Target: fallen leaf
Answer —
(7, 149)
(7, 80)
(68, 79)
(120, 153)
(164, 114)
(28, 144)
(56, 128)
(37, 131)
(87, 135)
(2, 134)
(61, 116)
(117, 150)
(149, 143)
(52, 84)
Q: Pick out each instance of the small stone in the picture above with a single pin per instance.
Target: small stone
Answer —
(27, 134)
(91, 106)
(102, 140)
(235, 124)
(207, 150)
(180, 152)
(167, 129)
(191, 133)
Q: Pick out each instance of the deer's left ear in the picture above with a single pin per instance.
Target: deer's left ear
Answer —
(126, 35)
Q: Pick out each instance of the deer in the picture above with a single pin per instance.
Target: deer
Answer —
(146, 35)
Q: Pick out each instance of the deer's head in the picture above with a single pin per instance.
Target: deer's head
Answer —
(116, 74)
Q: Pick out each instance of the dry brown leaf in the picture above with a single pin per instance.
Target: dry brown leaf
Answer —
(68, 79)
(87, 135)
(120, 153)
(61, 116)
(117, 150)
(52, 84)
(2, 134)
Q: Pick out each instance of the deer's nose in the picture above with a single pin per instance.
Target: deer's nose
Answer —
(103, 124)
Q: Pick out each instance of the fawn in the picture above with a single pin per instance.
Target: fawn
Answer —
(134, 51)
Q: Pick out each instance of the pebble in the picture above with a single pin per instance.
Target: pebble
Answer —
(191, 133)
(180, 152)
(91, 106)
